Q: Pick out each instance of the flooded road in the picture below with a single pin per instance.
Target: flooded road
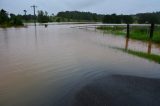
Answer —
(47, 66)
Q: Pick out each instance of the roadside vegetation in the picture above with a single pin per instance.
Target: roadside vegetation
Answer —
(136, 32)
(8, 21)
(151, 57)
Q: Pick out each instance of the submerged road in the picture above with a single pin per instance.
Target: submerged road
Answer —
(65, 66)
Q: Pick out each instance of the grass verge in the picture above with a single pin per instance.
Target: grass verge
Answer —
(136, 32)
(152, 57)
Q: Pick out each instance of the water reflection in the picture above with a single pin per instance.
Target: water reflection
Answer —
(45, 25)
(127, 42)
(36, 38)
(149, 45)
(133, 44)
(6, 38)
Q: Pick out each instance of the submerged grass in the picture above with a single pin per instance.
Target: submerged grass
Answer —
(152, 57)
(117, 30)
(136, 32)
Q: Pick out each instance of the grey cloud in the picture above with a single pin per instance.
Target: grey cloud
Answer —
(98, 6)
(82, 4)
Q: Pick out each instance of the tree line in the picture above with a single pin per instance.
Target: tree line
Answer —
(80, 16)
(7, 20)
(118, 19)
(149, 17)
(141, 18)
(11, 19)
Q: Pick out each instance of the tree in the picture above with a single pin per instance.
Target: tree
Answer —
(13, 20)
(3, 16)
(58, 20)
(80, 16)
(43, 16)
(127, 19)
(112, 19)
(16, 20)
(117, 19)
(149, 17)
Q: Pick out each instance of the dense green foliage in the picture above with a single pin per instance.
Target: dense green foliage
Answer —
(3, 17)
(117, 19)
(136, 32)
(141, 18)
(78, 16)
(28, 18)
(13, 20)
(149, 18)
(43, 17)
(113, 18)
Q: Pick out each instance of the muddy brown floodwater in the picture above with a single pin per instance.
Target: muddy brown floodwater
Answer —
(63, 66)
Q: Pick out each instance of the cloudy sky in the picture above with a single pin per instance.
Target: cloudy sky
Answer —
(96, 6)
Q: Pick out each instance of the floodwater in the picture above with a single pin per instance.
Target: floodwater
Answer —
(48, 66)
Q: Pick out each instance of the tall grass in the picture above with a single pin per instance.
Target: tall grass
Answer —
(152, 57)
(136, 32)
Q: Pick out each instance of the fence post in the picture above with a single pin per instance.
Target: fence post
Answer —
(152, 30)
(150, 38)
(128, 30)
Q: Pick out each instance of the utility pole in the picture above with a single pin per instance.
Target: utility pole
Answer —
(34, 9)
(25, 12)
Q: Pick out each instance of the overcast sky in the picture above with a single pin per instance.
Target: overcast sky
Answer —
(96, 6)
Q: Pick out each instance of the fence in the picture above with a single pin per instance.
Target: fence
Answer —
(147, 29)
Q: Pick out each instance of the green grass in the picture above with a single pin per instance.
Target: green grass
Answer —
(7, 25)
(117, 30)
(152, 57)
(136, 32)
